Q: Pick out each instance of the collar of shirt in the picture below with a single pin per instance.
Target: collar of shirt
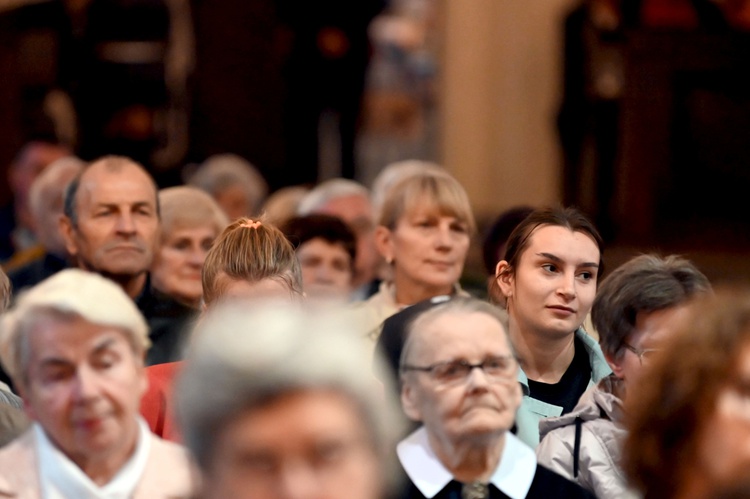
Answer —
(61, 477)
(512, 477)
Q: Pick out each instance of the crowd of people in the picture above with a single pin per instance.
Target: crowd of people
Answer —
(204, 341)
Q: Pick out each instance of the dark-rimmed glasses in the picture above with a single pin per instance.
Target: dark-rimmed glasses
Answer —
(643, 354)
(497, 368)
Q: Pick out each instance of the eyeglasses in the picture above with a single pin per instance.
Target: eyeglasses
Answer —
(644, 354)
(452, 371)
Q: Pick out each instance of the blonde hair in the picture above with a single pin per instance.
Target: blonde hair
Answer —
(434, 188)
(188, 207)
(252, 251)
(70, 292)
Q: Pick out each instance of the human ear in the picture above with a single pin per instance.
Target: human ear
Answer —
(504, 278)
(614, 362)
(67, 230)
(384, 243)
(409, 401)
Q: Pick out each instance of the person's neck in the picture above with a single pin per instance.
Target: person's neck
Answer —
(102, 469)
(411, 293)
(132, 285)
(470, 461)
(542, 358)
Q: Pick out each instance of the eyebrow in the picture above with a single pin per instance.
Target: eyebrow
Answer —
(557, 259)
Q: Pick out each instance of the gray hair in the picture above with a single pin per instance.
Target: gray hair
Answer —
(69, 293)
(328, 190)
(253, 355)
(46, 190)
(456, 305)
(643, 284)
(221, 171)
(189, 207)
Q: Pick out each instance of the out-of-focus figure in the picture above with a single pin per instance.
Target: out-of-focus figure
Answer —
(349, 201)
(190, 221)
(326, 250)
(299, 413)
(46, 207)
(233, 182)
(689, 426)
(74, 345)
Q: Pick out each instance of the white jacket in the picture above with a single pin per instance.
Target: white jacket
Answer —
(601, 438)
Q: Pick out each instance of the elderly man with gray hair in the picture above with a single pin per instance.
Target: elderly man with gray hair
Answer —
(279, 402)
(74, 346)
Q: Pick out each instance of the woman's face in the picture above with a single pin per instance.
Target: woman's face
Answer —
(178, 263)
(724, 446)
(553, 285)
(428, 251)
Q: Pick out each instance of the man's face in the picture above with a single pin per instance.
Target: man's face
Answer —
(307, 444)
(84, 385)
(356, 212)
(117, 222)
(475, 407)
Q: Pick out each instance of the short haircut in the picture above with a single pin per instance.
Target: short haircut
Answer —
(680, 390)
(222, 171)
(300, 230)
(438, 190)
(328, 190)
(643, 284)
(69, 293)
(251, 251)
(187, 207)
(454, 305)
(258, 353)
(111, 163)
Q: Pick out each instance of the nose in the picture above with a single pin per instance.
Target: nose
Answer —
(478, 378)
(196, 257)
(444, 236)
(297, 481)
(125, 224)
(567, 288)
(86, 386)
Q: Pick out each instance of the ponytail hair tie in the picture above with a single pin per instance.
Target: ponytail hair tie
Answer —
(251, 224)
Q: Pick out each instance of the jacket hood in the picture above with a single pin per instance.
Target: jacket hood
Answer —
(596, 400)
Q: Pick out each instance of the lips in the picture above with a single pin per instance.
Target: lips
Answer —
(561, 309)
(440, 264)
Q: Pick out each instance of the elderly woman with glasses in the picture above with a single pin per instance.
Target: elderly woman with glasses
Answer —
(632, 312)
(458, 374)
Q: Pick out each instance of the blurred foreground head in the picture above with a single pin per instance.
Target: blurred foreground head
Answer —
(690, 424)
(298, 412)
